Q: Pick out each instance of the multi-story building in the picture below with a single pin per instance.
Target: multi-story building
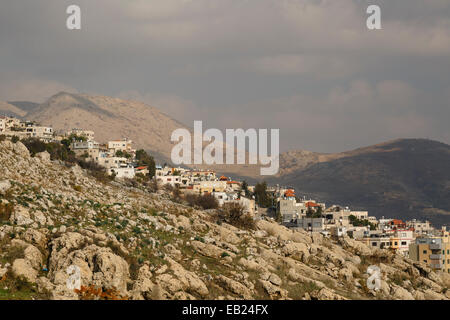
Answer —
(378, 240)
(233, 185)
(88, 149)
(209, 186)
(113, 162)
(7, 123)
(420, 227)
(432, 250)
(42, 133)
(88, 134)
(307, 224)
(124, 145)
(288, 207)
(201, 174)
(401, 240)
(174, 181)
(123, 172)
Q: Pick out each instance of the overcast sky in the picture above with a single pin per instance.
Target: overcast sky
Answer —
(308, 67)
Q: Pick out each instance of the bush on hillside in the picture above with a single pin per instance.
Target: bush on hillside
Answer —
(234, 214)
(205, 201)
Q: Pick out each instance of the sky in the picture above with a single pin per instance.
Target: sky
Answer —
(310, 68)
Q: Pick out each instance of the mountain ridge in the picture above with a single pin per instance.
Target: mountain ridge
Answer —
(331, 177)
(406, 178)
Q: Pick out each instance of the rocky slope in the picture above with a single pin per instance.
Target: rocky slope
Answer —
(129, 243)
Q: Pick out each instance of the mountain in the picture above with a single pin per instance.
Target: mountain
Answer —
(9, 109)
(402, 178)
(408, 178)
(26, 106)
(130, 242)
(111, 119)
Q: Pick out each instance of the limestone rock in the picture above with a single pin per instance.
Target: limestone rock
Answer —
(23, 268)
(5, 185)
(233, 286)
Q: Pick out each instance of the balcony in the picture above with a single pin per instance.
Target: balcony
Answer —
(436, 265)
(435, 246)
(436, 256)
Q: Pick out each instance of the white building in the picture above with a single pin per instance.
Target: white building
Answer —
(88, 134)
(113, 162)
(120, 145)
(89, 148)
(420, 227)
(43, 133)
(122, 172)
(174, 181)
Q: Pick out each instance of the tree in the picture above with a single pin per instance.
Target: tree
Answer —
(234, 214)
(72, 138)
(359, 222)
(244, 188)
(144, 159)
(261, 196)
(123, 154)
(206, 201)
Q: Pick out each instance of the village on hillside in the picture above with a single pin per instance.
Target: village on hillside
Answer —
(418, 240)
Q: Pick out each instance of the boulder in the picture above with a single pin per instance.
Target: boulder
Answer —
(191, 282)
(298, 251)
(234, 287)
(43, 156)
(400, 293)
(325, 294)
(21, 216)
(98, 266)
(5, 185)
(23, 268)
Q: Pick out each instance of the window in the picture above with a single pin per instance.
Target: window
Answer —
(374, 244)
(425, 261)
(403, 243)
(424, 251)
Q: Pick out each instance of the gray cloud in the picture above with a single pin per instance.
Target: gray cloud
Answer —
(308, 67)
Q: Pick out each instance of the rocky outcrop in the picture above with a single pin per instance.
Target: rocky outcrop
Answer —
(98, 266)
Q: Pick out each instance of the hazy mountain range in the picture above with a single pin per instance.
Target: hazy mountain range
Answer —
(402, 178)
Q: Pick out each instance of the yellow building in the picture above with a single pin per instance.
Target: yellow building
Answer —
(210, 186)
(434, 251)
